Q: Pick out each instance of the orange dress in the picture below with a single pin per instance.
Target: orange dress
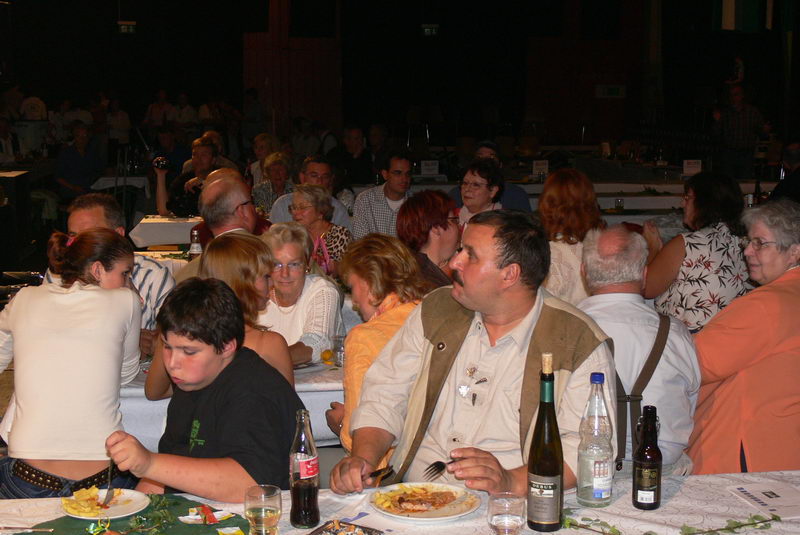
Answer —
(749, 357)
(361, 348)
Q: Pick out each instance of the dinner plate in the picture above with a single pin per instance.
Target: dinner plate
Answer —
(465, 503)
(128, 502)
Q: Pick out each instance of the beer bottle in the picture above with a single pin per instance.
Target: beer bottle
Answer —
(546, 460)
(647, 463)
(195, 248)
(304, 475)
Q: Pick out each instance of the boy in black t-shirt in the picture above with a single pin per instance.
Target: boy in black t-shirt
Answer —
(231, 419)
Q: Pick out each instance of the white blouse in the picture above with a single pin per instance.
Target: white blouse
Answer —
(564, 279)
(72, 349)
(312, 320)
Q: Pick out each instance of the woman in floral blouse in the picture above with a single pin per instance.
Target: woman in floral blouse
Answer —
(698, 273)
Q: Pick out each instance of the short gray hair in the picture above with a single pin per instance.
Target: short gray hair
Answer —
(781, 216)
(279, 234)
(220, 198)
(319, 197)
(623, 262)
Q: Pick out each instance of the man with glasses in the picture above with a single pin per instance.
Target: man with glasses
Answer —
(225, 206)
(376, 208)
(316, 170)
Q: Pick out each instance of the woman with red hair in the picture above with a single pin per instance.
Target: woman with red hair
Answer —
(427, 224)
(568, 210)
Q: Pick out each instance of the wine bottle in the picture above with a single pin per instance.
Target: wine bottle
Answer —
(546, 460)
(647, 464)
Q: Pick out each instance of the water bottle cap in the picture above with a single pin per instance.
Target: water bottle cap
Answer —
(597, 378)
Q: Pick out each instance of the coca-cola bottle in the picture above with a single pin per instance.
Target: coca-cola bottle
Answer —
(304, 475)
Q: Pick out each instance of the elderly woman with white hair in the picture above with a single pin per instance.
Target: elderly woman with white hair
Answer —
(747, 416)
(303, 307)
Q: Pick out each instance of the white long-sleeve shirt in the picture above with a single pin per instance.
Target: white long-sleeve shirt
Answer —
(72, 349)
(673, 388)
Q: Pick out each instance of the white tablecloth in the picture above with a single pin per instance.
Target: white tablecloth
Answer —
(108, 182)
(157, 230)
(701, 502)
(164, 258)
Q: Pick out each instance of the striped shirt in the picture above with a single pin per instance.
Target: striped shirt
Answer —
(153, 282)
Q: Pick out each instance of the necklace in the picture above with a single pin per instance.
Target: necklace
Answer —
(287, 310)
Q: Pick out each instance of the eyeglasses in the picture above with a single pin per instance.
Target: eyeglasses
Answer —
(298, 207)
(757, 243)
(473, 185)
(293, 266)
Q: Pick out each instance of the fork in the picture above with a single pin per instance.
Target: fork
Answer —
(110, 491)
(382, 473)
(436, 469)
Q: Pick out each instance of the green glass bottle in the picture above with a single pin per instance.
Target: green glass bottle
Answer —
(546, 460)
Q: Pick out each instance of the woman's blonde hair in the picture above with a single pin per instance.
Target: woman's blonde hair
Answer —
(319, 198)
(280, 234)
(387, 265)
(273, 158)
(238, 259)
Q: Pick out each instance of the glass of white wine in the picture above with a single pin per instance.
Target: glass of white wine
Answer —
(506, 513)
(262, 507)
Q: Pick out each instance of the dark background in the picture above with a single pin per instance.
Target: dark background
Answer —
(61, 48)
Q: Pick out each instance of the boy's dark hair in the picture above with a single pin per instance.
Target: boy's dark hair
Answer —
(203, 309)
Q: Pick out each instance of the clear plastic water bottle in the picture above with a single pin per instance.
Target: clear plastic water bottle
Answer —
(595, 454)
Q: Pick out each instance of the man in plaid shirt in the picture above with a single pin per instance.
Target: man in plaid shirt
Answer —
(376, 209)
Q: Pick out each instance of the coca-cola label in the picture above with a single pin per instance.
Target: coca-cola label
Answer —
(308, 467)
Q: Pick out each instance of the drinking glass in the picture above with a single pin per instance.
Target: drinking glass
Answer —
(506, 513)
(262, 507)
(337, 347)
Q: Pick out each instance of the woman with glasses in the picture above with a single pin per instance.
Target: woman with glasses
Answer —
(698, 273)
(427, 224)
(304, 307)
(311, 207)
(481, 189)
(245, 263)
(747, 417)
(272, 180)
(568, 210)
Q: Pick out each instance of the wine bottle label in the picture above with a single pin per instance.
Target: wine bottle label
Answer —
(195, 248)
(544, 499)
(646, 496)
(308, 467)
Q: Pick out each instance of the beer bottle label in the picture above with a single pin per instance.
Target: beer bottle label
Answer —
(544, 499)
(308, 467)
(647, 480)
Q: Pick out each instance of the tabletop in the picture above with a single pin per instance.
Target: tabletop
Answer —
(702, 502)
(158, 230)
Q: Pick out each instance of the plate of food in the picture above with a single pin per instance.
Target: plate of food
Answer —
(86, 504)
(424, 502)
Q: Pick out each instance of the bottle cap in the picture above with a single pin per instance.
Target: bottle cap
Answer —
(597, 378)
(649, 410)
(547, 363)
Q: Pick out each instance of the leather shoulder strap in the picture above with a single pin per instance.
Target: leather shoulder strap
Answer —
(635, 397)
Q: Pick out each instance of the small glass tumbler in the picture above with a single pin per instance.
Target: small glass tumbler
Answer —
(262, 508)
(337, 346)
(506, 513)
